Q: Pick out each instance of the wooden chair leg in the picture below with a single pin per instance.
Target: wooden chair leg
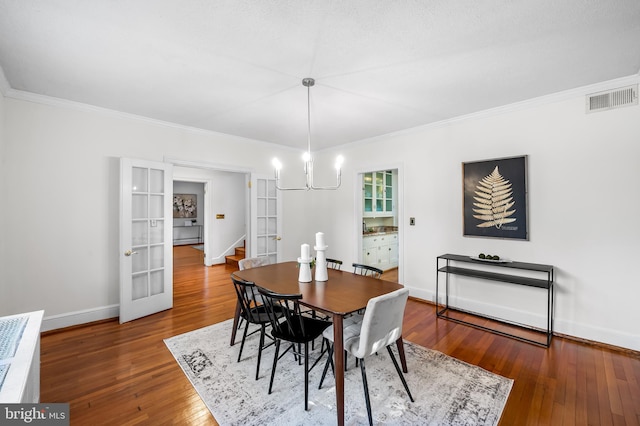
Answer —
(403, 360)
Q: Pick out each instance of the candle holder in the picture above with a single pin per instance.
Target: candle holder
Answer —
(321, 263)
(304, 273)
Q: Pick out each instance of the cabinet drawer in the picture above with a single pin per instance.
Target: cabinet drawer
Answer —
(370, 242)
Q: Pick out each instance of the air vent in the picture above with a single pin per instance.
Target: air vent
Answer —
(611, 99)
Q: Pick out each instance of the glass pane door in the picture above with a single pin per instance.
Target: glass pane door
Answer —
(266, 213)
(146, 265)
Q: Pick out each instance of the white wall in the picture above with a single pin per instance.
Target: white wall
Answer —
(61, 171)
(3, 198)
(583, 207)
(61, 174)
(196, 188)
(226, 195)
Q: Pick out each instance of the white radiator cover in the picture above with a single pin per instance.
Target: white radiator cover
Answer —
(22, 381)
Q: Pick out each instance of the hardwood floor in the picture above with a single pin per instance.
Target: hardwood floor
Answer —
(124, 375)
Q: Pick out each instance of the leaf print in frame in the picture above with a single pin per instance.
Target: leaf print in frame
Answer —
(495, 198)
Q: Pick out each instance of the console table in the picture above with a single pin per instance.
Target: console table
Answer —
(197, 234)
(545, 282)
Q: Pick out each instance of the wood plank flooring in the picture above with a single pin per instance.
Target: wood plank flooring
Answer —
(115, 374)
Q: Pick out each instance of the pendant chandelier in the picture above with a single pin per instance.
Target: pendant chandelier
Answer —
(308, 159)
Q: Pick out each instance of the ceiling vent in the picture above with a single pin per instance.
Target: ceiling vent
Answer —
(611, 99)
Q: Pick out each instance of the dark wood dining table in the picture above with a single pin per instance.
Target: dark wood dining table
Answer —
(343, 293)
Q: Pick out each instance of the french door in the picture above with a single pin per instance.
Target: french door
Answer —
(266, 218)
(146, 259)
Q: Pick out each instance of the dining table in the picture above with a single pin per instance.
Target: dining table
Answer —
(342, 294)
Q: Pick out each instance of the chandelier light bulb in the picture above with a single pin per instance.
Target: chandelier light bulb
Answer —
(308, 161)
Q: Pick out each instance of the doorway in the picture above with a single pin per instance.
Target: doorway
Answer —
(380, 206)
(222, 210)
(189, 213)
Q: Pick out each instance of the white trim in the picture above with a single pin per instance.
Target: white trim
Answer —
(214, 260)
(69, 319)
(517, 106)
(504, 109)
(358, 209)
(4, 83)
(65, 103)
(207, 166)
(569, 328)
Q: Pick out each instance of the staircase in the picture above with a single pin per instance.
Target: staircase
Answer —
(236, 257)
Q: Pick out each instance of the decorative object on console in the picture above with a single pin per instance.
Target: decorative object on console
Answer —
(308, 159)
(495, 198)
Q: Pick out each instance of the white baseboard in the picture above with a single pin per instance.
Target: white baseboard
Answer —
(568, 328)
(54, 322)
(215, 260)
(597, 334)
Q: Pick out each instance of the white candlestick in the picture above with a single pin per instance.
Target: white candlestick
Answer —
(304, 251)
(319, 239)
(321, 265)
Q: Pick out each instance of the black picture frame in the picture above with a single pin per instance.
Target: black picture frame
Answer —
(495, 198)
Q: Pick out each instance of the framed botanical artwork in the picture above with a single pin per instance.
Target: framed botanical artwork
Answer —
(495, 198)
(185, 205)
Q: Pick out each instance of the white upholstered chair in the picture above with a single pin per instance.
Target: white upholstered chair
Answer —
(379, 327)
(252, 262)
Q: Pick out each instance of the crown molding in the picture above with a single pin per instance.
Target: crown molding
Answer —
(516, 106)
(4, 83)
(9, 92)
(79, 106)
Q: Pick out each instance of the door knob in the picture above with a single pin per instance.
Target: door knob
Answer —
(130, 252)
(278, 238)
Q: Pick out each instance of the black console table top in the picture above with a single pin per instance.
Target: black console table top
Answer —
(510, 264)
(508, 278)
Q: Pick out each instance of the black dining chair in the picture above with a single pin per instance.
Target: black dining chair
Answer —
(294, 328)
(367, 270)
(252, 313)
(381, 326)
(334, 264)
(246, 263)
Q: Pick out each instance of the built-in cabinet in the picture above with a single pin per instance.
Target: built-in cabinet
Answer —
(380, 250)
(378, 194)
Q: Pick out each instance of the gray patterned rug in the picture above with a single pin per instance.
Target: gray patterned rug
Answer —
(446, 391)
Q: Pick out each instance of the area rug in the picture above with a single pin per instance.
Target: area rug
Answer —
(198, 247)
(446, 391)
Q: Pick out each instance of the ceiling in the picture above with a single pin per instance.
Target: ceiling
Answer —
(380, 66)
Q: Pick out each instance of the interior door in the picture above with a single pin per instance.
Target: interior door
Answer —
(266, 219)
(146, 228)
